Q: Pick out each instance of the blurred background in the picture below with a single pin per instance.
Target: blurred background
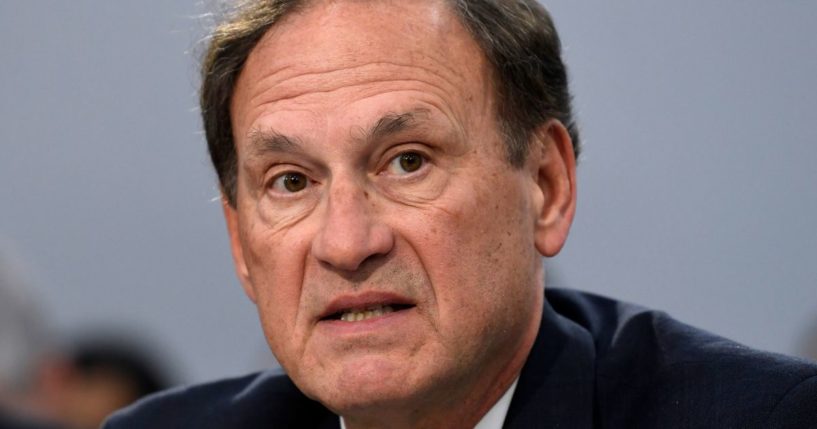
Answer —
(696, 188)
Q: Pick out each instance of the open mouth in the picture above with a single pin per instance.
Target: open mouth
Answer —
(359, 314)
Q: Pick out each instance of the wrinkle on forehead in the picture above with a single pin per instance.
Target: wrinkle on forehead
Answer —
(275, 88)
(337, 46)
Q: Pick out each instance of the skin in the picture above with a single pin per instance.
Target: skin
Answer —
(460, 238)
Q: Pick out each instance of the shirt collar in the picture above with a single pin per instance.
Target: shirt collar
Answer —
(495, 416)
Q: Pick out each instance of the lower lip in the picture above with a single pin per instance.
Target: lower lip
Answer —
(386, 321)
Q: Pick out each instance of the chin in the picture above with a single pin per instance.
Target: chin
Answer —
(366, 383)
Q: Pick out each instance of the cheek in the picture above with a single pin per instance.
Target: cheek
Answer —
(275, 262)
(480, 258)
(488, 224)
(275, 257)
(478, 243)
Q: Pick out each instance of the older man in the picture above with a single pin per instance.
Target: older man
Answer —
(392, 174)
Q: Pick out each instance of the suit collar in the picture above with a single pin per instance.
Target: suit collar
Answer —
(556, 382)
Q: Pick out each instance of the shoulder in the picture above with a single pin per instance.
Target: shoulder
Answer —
(652, 369)
(257, 400)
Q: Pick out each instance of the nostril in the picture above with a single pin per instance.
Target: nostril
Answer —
(350, 246)
(369, 260)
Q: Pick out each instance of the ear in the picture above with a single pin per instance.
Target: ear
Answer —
(231, 217)
(553, 166)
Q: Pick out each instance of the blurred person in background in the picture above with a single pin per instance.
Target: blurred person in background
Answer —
(24, 345)
(47, 383)
(96, 375)
(808, 342)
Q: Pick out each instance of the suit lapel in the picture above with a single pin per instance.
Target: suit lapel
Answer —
(555, 386)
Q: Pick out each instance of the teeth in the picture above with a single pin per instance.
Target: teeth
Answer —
(358, 315)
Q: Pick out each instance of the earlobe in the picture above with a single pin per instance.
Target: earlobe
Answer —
(554, 169)
(231, 218)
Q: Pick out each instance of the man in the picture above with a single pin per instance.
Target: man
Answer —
(392, 174)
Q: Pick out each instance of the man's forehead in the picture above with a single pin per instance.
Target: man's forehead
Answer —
(330, 35)
(360, 45)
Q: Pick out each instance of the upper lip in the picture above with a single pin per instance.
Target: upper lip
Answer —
(363, 301)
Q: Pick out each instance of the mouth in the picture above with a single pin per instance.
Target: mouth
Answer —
(360, 314)
(351, 309)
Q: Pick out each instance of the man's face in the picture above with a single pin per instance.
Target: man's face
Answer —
(372, 184)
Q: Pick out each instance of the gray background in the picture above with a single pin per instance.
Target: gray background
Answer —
(697, 186)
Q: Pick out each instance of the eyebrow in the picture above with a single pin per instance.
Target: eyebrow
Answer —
(266, 141)
(271, 141)
(392, 123)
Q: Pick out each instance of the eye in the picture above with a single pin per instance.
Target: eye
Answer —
(406, 162)
(290, 182)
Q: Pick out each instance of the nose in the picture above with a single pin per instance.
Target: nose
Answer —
(351, 231)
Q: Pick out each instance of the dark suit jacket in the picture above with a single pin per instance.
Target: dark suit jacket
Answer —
(596, 363)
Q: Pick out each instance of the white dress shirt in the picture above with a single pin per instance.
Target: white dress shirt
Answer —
(495, 416)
